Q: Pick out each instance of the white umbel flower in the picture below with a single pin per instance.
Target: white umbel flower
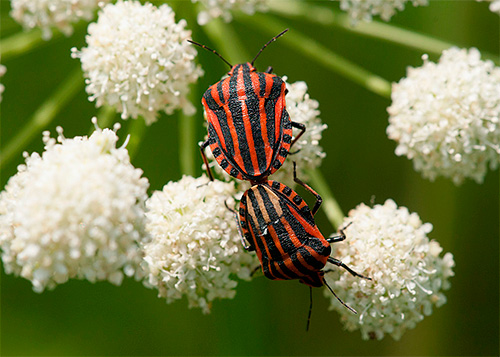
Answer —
(195, 249)
(364, 10)
(46, 14)
(389, 245)
(77, 211)
(224, 8)
(138, 60)
(306, 152)
(495, 6)
(445, 116)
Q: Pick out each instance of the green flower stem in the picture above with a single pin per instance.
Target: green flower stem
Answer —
(43, 116)
(330, 206)
(136, 130)
(373, 29)
(226, 42)
(312, 49)
(187, 144)
(23, 42)
(105, 118)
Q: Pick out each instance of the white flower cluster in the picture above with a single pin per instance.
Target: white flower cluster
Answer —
(445, 116)
(389, 245)
(46, 14)
(195, 249)
(223, 8)
(495, 6)
(138, 60)
(364, 10)
(3, 70)
(306, 152)
(77, 211)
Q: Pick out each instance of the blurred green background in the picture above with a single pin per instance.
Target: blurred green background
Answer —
(268, 317)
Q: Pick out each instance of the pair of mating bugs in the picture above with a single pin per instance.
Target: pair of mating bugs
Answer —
(250, 135)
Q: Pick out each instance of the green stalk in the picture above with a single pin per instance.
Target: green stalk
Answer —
(42, 116)
(319, 53)
(331, 207)
(374, 29)
(226, 41)
(136, 130)
(105, 118)
(23, 42)
(187, 144)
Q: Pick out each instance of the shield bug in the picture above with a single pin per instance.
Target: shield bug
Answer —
(249, 129)
(278, 224)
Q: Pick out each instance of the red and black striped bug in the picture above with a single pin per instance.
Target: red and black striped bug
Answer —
(249, 129)
(278, 224)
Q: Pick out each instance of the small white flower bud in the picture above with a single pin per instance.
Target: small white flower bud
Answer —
(363, 10)
(46, 14)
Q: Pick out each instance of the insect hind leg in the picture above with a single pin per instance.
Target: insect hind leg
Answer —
(342, 265)
(310, 307)
(339, 299)
(335, 238)
(319, 200)
(302, 129)
(205, 160)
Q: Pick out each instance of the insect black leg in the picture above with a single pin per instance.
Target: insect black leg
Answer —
(205, 160)
(269, 69)
(339, 299)
(342, 265)
(340, 237)
(319, 200)
(302, 128)
(256, 269)
(248, 247)
(310, 307)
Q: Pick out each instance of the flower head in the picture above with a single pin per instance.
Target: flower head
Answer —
(445, 116)
(363, 10)
(495, 6)
(53, 13)
(223, 8)
(195, 248)
(77, 211)
(138, 60)
(389, 245)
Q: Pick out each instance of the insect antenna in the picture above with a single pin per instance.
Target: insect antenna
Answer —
(267, 44)
(214, 51)
(339, 299)
(310, 307)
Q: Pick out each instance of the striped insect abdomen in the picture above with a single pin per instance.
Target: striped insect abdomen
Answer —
(282, 230)
(249, 128)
